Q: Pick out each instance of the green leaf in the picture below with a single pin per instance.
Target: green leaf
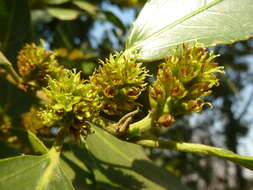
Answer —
(15, 26)
(63, 14)
(33, 173)
(74, 163)
(37, 145)
(126, 166)
(111, 17)
(4, 60)
(86, 6)
(56, 2)
(162, 25)
(30, 140)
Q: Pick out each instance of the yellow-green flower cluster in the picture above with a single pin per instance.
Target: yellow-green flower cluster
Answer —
(35, 63)
(182, 81)
(5, 128)
(119, 82)
(71, 102)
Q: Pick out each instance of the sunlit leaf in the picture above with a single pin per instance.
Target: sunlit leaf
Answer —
(126, 166)
(4, 60)
(88, 7)
(33, 173)
(63, 14)
(162, 25)
(56, 2)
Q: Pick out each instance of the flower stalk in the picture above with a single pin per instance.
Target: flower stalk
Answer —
(197, 149)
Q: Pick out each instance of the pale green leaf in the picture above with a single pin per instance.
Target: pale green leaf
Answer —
(63, 14)
(162, 25)
(4, 60)
(126, 166)
(33, 173)
(86, 6)
(56, 2)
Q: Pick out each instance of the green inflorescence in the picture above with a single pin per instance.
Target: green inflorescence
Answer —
(70, 102)
(119, 82)
(182, 81)
(35, 64)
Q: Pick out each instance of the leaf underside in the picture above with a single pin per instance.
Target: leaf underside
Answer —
(162, 25)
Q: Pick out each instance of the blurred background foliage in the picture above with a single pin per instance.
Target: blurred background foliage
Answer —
(81, 32)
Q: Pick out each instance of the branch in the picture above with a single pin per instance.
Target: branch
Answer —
(244, 161)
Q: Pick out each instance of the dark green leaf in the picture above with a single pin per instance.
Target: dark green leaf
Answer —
(126, 166)
(15, 26)
(111, 17)
(74, 163)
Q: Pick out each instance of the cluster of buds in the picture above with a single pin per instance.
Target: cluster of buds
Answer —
(35, 64)
(182, 81)
(119, 82)
(71, 103)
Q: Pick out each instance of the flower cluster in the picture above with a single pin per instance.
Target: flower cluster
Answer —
(119, 82)
(71, 103)
(35, 64)
(5, 128)
(182, 81)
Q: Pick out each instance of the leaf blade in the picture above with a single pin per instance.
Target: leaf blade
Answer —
(208, 22)
(43, 172)
(126, 165)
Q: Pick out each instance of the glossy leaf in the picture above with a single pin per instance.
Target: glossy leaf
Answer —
(126, 166)
(33, 173)
(162, 25)
(63, 14)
